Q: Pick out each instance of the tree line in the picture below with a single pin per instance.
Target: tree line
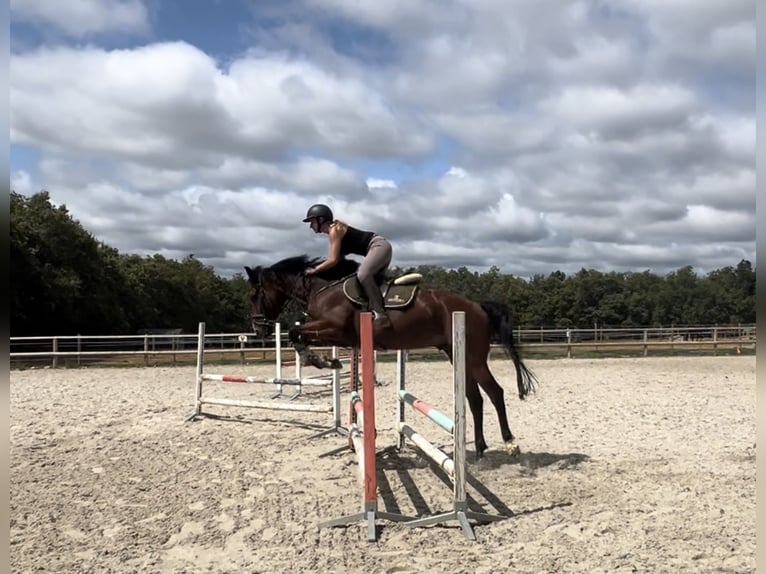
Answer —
(66, 282)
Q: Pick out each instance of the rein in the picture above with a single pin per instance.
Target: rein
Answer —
(306, 288)
(334, 283)
(298, 290)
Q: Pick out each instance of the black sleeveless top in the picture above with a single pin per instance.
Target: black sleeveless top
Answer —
(355, 241)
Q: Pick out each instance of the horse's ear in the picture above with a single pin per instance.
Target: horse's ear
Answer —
(251, 275)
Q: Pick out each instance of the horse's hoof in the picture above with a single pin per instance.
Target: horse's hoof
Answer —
(313, 360)
(513, 448)
(336, 364)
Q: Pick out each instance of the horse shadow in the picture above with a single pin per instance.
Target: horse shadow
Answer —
(530, 461)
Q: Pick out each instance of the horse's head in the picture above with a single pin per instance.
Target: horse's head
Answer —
(267, 299)
(272, 287)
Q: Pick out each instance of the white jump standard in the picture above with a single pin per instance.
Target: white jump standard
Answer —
(454, 466)
(201, 400)
(299, 381)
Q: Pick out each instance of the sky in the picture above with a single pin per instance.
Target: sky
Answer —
(531, 135)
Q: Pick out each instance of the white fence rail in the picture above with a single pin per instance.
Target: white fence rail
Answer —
(80, 350)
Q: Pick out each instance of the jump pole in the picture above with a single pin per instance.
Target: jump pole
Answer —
(455, 467)
(366, 455)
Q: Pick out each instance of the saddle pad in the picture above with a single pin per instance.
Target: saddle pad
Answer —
(399, 296)
(396, 296)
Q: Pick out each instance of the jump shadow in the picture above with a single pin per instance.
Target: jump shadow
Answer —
(307, 394)
(400, 462)
(388, 461)
(257, 420)
(391, 459)
(223, 418)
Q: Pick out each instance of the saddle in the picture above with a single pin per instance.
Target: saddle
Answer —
(397, 292)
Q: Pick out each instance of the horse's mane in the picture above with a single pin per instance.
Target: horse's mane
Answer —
(299, 263)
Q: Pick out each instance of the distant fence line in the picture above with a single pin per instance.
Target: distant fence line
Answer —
(82, 350)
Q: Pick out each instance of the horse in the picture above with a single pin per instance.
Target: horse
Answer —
(425, 322)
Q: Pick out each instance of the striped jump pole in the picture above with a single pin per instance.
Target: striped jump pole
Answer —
(364, 445)
(454, 466)
(437, 416)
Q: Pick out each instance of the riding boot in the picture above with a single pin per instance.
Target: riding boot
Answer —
(375, 303)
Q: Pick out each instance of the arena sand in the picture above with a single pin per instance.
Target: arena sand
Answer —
(627, 465)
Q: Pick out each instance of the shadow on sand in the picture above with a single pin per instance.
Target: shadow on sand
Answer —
(530, 460)
(480, 498)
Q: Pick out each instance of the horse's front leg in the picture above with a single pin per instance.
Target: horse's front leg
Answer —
(312, 333)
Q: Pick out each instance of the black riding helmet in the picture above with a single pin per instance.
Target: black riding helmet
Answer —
(318, 210)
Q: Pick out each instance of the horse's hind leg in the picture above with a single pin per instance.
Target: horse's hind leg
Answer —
(495, 392)
(476, 404)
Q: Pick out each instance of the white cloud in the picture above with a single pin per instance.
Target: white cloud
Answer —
(726, 191)
(21, 182)
(457, 172)
(691, 16)
(305, 174)
(710, 224)
(169, 104)
(735, 134)
(377, 183)
(594, 59)
(608, 110)
(556, 135)
(686, 38)
(83, 17)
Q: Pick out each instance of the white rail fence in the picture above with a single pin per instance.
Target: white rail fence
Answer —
(80, 350)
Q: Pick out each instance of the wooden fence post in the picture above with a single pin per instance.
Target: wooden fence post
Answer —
(646, 347)
(715, 341)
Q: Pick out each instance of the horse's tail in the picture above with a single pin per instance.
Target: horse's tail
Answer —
(502, 326)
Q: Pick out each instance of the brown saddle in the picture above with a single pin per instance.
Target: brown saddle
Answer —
(397, 292)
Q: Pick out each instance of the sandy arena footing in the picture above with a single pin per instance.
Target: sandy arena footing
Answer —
(627, 465)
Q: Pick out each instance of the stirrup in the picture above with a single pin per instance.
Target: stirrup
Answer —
(381, 318)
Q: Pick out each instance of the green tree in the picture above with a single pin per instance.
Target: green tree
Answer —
(63, 281)
(642, 299)
(729, 295)
(680, 298)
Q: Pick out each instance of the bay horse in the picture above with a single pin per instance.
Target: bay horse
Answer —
(426, 322)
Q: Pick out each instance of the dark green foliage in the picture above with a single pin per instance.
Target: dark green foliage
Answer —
(64, 281)
(611, 299)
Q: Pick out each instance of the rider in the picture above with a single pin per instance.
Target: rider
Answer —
(344, 240)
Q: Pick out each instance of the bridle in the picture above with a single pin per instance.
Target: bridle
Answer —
(259, 319)
(297, 290)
